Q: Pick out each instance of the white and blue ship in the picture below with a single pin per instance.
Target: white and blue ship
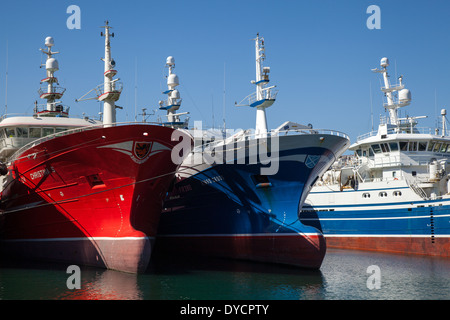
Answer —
(393, 194)
(239, 196)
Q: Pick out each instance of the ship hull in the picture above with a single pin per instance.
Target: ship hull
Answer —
(399, 225)
(230, 210)
(92, 197)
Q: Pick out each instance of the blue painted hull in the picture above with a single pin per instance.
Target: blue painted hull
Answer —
(230, 210)
(419, 227)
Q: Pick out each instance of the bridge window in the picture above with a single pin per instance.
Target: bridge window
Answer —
(422, 146)
(385, 147)
(22, 132)
(58, 130)
(10, 132)
(431, 146)
(376, 148)
(437, 146)
(394, 146)
(47, 131)
(444, 147)
(413, 146)
(403, 145)
(35, 133)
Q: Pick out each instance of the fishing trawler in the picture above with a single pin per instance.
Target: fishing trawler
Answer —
(393, 194)
(237, 195)
(81, 191)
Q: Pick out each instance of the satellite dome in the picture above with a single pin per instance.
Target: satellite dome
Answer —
(170, 61)
(173, 81)
(404, 95)
(49, 42)
(52, 64)
(175, 94)
(384, 62)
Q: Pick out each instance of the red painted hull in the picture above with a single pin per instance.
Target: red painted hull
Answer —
(305, 251)
(92, 197)
(436, 246)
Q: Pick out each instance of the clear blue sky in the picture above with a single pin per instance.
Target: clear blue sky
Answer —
(320, 53)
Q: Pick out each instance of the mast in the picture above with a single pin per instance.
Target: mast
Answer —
(444, 122)
(49, 91)
(261, 121)
(109, 91)
(397, 96)
(264, 96)
(110, 94)
(173, 102)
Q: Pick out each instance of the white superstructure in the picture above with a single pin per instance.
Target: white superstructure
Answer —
(393, 193)
(48, 119)
(399, 154)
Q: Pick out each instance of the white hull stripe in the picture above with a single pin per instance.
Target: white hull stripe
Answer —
(240, 235)
(385, 236)
(80, 239)
(383, 205)
(382, 218)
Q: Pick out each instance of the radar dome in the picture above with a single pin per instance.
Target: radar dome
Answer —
(170, 61)
(384, 62)
(49, 42)
(175, 94)
(404, 95)
(443, 112)
(173, 81)
(52, 64)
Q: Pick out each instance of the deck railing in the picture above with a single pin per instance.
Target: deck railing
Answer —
(416, 130)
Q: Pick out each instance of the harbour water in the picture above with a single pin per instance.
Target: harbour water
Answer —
(344, 275)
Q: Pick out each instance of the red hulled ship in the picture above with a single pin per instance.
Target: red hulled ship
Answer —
(87, 193)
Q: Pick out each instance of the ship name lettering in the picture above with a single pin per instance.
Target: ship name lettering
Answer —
(212, 180)
(185, 188)
(40, 173)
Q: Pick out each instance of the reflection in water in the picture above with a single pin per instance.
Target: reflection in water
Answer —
(402, 276)
(343, 275)
(38, 281)
(106, 285)
(200, 278)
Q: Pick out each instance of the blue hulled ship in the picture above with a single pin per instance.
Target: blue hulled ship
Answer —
(393, 193)
(239, 196)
